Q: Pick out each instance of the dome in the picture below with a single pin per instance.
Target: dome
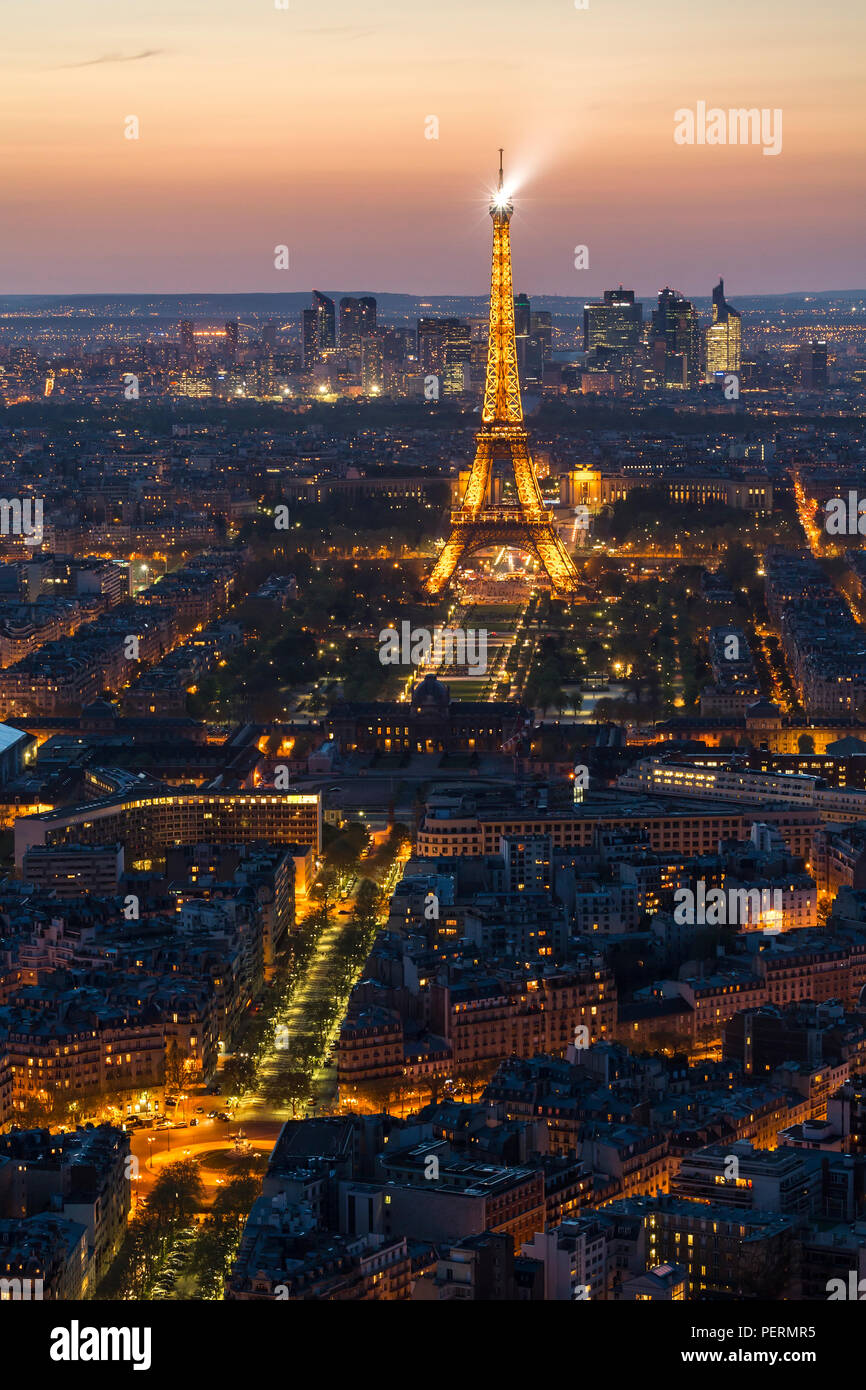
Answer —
(430, 694)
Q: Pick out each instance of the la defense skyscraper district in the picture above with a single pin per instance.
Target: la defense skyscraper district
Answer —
(503, 439)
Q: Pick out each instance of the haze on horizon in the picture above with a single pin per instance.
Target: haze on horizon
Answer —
(306, 127)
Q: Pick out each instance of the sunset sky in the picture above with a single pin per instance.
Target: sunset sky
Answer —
(305, 126)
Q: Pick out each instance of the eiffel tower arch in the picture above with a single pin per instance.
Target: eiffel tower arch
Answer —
(503, 438)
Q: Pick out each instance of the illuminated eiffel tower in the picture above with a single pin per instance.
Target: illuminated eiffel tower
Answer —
(503, 437)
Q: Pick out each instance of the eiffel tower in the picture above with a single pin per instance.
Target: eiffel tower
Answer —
(503, 437)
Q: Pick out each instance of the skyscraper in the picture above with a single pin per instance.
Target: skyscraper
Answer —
(350, 333)
(522, 316)
(813, 366)
(232, 340)
(445, 348)
(357, 321)
(456, 356)
(614, 323)
(187, 340)
(522, 330)
(269, 336)
(367, 314)
(372, 365)
(723, 337)
(541, 324)
(311, 337)
(677, 344)
(430, 345)
(326, 318)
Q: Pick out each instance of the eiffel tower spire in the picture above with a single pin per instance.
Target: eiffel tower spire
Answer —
(478, 523)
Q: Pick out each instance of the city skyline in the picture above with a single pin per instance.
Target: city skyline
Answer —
(432, 712)
(233, 159)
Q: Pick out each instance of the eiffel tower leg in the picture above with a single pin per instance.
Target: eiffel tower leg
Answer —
(447, 563)
(479, 478)
(525, 476)
(557, 563)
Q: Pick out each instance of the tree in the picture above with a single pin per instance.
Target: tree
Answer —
(176, 1195)
(239, 1074)
(287, 1088)
(740, 564)
(346, 850)
(175, 1068)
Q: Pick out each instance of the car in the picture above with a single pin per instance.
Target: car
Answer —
(163, 1124)
(179, 1124)
(212, 1115)
(193, 1121)
(223, 1116)
(199, 1110)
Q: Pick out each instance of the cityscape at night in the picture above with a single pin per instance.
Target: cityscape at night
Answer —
(433, 672)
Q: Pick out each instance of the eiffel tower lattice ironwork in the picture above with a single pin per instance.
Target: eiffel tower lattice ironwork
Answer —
(503, 437)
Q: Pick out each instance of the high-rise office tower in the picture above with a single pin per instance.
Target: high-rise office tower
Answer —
(615, 323)
(324, 309)
(367, 314)
(357, 321)
(677, 341)
(269, 337)
(813, 366)
(723, 337)
(541, 327)
(445, 348)
(372, 365)
(187, 339)
(522, 316)
(430, 345)
(397, 344)
(522, 329)
(534, 353)
(232, 340)
(350, 327)
(456, 356)
(311, 337)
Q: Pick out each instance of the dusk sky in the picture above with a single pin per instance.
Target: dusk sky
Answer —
(306, 127)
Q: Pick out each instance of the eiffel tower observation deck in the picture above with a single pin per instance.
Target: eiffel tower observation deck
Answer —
(503, 439)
